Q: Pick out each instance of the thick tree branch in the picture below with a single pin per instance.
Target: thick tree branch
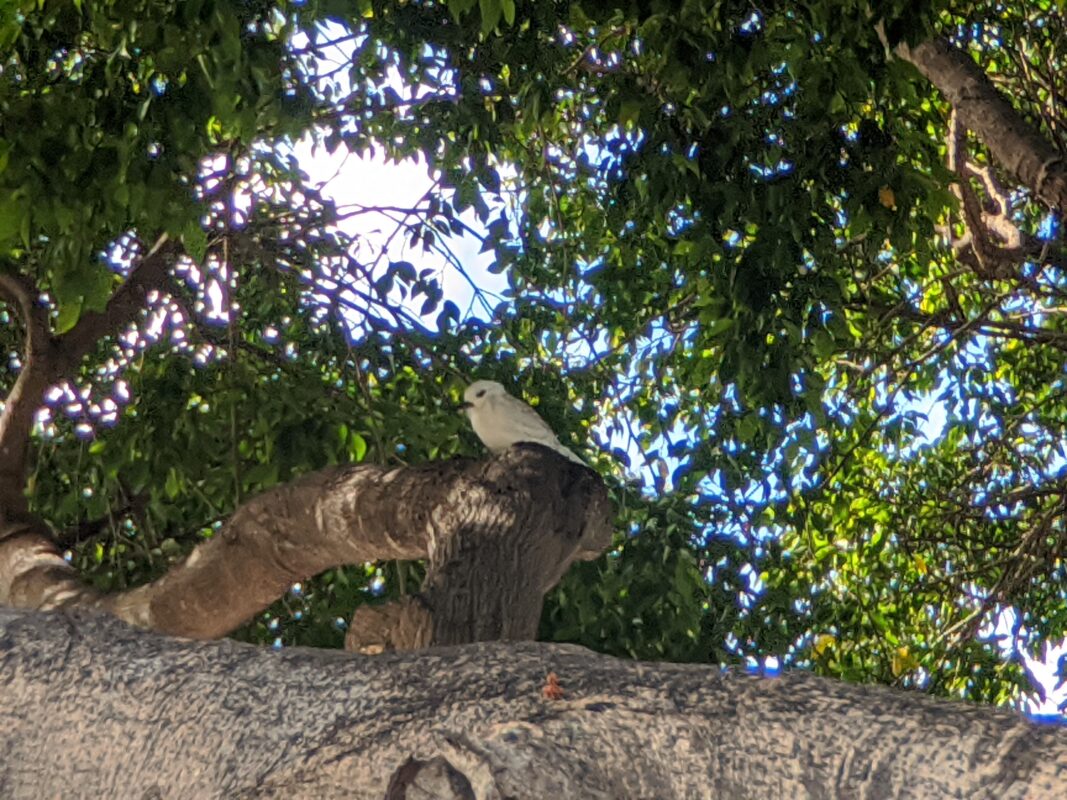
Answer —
(16, 422)
(498, 535)
(509, 535)
(1017, 147)
(33, 574)
(475, 722)
(993, 246)
(20, 293)
(21, 404)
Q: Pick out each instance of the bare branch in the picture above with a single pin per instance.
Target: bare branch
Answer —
(992, 244)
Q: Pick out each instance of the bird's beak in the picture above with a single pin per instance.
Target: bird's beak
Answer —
(462, 407)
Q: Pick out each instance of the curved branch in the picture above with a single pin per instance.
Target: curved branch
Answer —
(498, 534)
(21, 404)
(20, 292)
(123, 307)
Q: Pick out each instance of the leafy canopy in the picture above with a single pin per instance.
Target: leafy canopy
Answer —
(731, 274)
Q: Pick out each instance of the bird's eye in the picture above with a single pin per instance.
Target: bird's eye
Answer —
(481, 393)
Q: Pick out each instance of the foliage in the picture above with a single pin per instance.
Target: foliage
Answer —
(731, 268)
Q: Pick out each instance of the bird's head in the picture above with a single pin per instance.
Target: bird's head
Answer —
(479, 392)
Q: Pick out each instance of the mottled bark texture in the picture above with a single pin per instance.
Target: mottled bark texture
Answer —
(94, 708)
(1014, 143)
(497, 534)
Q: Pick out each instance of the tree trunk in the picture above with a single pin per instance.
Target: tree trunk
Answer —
(94, 708)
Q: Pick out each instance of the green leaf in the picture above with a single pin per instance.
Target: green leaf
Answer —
(630, 112)
(97, 286)
(508, 7)
(68, 314)
(172, 487)
(458, 8)
(491, 12)
(195, 240)
(357, 447)
(718, 326)
(13, 212)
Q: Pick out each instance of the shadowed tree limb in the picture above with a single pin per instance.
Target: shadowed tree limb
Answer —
(20, 406)
(48, 358)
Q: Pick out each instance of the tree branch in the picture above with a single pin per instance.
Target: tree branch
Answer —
(123, 307)
(992, 244)
(498, 534)
(1016, 146)
(20, 406)
(20, 293)
(47, 358)
(477, 721)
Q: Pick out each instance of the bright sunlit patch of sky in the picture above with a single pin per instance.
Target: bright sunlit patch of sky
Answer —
(377, 196)
(1042, 669)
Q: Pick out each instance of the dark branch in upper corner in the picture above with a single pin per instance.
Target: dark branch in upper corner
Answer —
(1015, 144)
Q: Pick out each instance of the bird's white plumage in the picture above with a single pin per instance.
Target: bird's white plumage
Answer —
(501, 420)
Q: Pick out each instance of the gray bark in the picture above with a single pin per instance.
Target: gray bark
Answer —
(497, 535)
(1015, 144)
(92, 708)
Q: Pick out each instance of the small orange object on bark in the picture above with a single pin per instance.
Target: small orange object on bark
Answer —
(552, 690)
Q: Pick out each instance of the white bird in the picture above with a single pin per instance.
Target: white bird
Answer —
(501, 420)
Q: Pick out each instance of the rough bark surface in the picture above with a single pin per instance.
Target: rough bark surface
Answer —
(498, 534)
(1014, 143)
(94, 708)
